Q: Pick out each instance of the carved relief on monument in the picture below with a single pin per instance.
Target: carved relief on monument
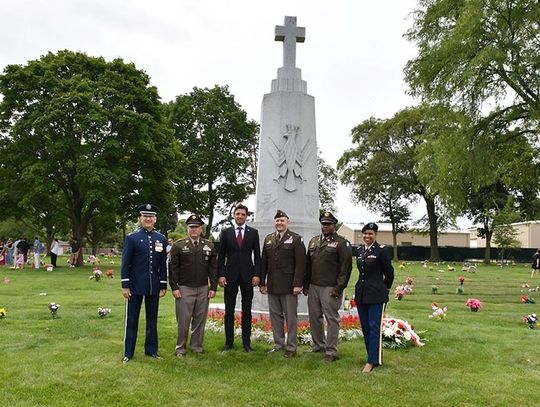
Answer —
(290, 157)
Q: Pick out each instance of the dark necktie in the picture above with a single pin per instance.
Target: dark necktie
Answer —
(196, 243)
(239, 237)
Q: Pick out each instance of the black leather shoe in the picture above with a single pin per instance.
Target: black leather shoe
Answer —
(227, 348)
(153, 355)
(330, 358)
(248, 348)
(314, 350)
(125, 359)
(290, 354)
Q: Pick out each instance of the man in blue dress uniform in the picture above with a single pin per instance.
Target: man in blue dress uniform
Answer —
(144, 275)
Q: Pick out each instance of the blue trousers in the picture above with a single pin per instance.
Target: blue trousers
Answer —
(371, 316)
(133, 309)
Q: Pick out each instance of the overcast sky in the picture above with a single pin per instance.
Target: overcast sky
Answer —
(352, 58)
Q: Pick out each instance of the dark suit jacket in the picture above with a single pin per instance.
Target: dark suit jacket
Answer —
(283, 263)
(234, 261)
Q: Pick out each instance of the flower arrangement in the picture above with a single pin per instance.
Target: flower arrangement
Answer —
(103, 312)
(434, 289)
(353, 302)
(3, 313)
(93, 259)
(461, 280)
(473, 304)
(109, 273)
(53, 308)
(526, 300)
(531, 320)
(402, 266)
(450, 268)
(262, 328)
(49, 267)
(409, 281)
(438, 312)
(399, 292)
(525, 285)
(96, 274)
(398, 333)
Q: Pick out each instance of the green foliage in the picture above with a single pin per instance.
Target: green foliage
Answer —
(328, 182)
(83, 134)
(219, 143)
(482, 57)
(396, 159)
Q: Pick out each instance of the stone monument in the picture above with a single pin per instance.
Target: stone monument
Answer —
(287, 175)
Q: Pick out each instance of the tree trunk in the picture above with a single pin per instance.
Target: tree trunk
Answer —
(433, 229)
(394, 242)
(487, 250)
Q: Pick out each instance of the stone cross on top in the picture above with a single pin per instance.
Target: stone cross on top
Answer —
(290, 34)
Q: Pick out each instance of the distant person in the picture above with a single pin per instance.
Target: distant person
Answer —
(38, 249)
(75, 251)
(239, 267)
(193, 281)
(144, 276)
(23, 247)
(536, 263)
(2, 253)
(55, 251)
(283, 264)
(376, 275)
(329, 266)
(10, 253)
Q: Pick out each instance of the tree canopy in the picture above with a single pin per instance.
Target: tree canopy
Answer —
(396, 154)
(218, 141)
(82, 136)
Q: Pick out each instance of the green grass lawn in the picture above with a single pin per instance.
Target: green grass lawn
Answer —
(488, 358)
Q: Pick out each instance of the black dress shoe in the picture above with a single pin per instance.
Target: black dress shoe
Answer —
(290, 354)
(153, 355)
(227, 348)
(125, 359)
(248, 348)
(314, 350)
(330, 358)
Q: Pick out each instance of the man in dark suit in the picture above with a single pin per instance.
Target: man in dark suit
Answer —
(144, 276)
(283, 265)
(239, 267)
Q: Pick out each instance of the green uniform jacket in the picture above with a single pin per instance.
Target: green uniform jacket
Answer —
(193, 267)
(283, 263)
(329, 262)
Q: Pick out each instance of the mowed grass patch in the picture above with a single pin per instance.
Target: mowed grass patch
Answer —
(488, 358)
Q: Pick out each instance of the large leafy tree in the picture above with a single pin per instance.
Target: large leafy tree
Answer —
(218, 141)
(471, 52)
(87, 131)
(396, 153)
(482, 57)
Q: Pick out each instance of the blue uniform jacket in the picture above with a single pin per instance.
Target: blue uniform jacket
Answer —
(144, 262)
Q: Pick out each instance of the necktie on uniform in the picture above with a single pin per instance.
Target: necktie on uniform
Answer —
(195, 243)
(239, 237)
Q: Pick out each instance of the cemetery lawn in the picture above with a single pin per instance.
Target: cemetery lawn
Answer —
(488, 358)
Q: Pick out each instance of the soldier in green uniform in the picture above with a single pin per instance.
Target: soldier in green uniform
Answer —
(283, 264)
(329, 265)
(193, 281)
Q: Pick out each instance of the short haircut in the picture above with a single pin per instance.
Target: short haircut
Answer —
(241, 206)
